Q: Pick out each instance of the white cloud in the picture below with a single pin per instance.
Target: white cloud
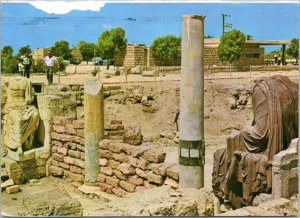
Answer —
(63, 7)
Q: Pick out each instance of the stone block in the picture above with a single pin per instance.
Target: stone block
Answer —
(13, 189)
(62, 121)
(106, 170)
(120, 175)
(121, 157)
(54, 149)
(82, 155)
(59, 129)
(112, 181)
(127, 186)
(126, 169)
(79, 140)
(113, 164)
(64, 165)
(171, 182)
(78, 124)
(41, 162)
(136, 180)
(155, 155)
(79, 163)
(148, 185)
(101, 178)
(157, 179)
(7, 183)
(113, 122)
(133, 135)
(41, 171)
(116, 127)
(62, 150)
(173, 172)
(71, 145)
(80, 148)
(73, 176)
(285, 172)
(103, 161)
(106, 187)
(70, 130)
(74, 153)
(140, 172)
(27, 155)
(56, 171)
(75, 169)
(80, 133)
(54, 162)
(160, 169)
(115, 147)
(58, 157)
(142, 163)
(105, 154)
(135, 151)
(57, 143)
(119, 192)
(12, 166)
(69, 160)
(103, 144)
(132, 161)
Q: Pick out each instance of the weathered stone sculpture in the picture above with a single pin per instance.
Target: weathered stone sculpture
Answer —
(21, 119)
(244, 169)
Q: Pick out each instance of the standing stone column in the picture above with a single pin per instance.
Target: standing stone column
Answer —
(93, 128)
(191, 137)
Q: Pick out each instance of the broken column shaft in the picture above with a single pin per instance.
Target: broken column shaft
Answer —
(191, 128)
(93, 128)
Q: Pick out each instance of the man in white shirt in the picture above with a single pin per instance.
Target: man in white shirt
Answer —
(26, 63)
(49, 62)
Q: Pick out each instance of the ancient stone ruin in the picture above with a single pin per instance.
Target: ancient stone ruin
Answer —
(261, 158)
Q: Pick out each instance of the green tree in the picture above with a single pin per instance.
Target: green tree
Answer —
(62, 49)
(166, 49)
(23, 50)
(8, 61)
(110, 42)
(293, 49)
(230, 47)
(87, 50)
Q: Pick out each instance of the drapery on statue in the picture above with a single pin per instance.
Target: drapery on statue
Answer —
(21, 119)
(244, 169)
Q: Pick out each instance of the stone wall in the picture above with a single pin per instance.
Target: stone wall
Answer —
(123, 167)
(133, 55)
(76, 91)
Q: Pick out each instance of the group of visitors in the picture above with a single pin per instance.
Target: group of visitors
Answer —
(49, 62)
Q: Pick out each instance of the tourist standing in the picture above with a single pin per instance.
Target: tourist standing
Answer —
(21, 67)
(49, 62)
(26, 63)
(275, 58)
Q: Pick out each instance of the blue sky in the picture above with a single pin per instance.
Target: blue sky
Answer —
(23, 24)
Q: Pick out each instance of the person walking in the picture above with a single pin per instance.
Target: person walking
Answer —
(21, 67)
(49, 62)
(26, 61)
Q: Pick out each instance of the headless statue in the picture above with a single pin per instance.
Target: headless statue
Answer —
(244, 169)
(21, 119)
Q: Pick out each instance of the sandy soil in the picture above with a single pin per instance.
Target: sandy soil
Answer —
(220, 120)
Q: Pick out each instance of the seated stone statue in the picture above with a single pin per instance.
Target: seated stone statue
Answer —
(244, 169)
(21, 119)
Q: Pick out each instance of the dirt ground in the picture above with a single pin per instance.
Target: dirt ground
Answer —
(220, 120)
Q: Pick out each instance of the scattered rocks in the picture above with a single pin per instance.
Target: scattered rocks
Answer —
(13, 189)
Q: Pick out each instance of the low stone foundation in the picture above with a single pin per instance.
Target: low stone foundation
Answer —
(123, 167)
